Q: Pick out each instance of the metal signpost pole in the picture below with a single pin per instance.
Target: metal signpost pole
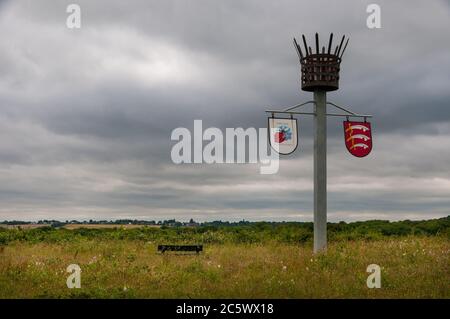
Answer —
(320, 171)
(320, 74)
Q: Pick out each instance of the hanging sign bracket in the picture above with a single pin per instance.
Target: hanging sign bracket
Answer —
(290, 111)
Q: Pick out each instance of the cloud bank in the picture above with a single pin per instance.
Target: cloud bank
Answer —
(86, 114)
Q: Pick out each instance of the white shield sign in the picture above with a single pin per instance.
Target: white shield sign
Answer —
(283, 135)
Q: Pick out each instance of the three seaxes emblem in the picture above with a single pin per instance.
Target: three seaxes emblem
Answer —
(358, 138)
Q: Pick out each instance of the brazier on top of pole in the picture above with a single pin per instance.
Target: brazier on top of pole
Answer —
(320, 67)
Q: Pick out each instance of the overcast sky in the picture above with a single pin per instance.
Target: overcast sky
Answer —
(86, 114)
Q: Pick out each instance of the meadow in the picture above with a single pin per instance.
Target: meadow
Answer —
(258, 260)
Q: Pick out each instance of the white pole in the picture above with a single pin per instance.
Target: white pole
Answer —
(320, 171)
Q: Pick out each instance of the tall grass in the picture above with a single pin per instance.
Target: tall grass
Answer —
(129, 267)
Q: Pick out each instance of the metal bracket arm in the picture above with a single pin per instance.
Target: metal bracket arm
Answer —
(289, 110)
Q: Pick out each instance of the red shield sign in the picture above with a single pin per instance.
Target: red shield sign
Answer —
(358, 138)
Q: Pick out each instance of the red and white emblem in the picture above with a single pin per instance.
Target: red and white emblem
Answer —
(358, 138)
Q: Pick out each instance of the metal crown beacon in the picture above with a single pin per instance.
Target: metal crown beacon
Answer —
(319, 74)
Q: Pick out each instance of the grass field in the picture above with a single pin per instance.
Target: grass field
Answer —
(26, 226)
(412, 267)
(78, 226)
(102, 226)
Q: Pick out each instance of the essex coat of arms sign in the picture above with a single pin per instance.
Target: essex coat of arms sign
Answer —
(358, 138)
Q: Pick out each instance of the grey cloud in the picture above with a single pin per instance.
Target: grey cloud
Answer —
(87, 114)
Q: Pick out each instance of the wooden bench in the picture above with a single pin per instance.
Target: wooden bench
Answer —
(187, 248)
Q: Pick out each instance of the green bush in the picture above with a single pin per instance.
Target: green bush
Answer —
(285, 232)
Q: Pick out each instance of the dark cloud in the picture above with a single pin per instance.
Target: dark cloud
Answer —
(87, 114)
